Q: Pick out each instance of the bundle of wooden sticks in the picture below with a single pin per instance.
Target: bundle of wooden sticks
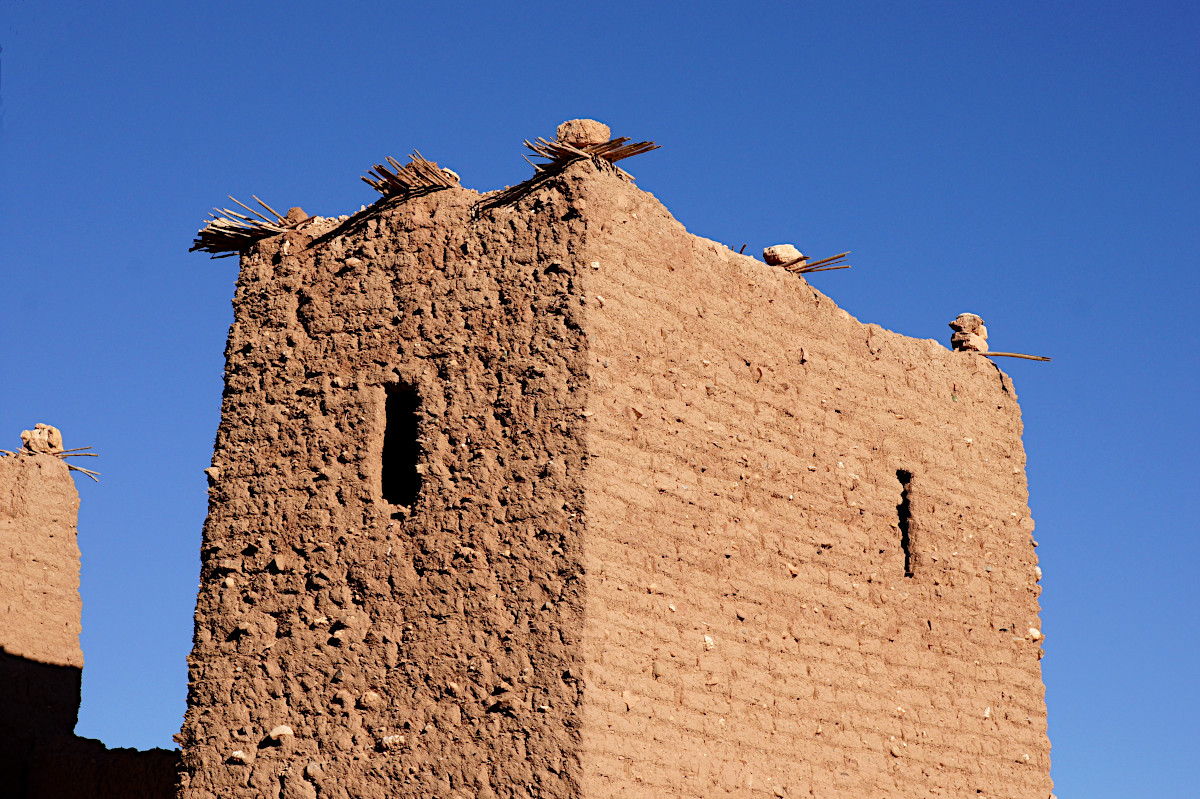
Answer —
(557, 152)
(418, 176)
(62, 454)
(229, 232)
(803, 266)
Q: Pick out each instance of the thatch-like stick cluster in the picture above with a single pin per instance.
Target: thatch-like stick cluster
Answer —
(77, 452)
(559, 155)
(803, 266)
(559, 152)
(1012, 355)
(418, 176)
(229, 232)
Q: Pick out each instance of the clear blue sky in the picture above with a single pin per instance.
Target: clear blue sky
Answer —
(1036, 163)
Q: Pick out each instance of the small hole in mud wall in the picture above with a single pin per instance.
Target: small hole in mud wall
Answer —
(401, 450)
(904, 518)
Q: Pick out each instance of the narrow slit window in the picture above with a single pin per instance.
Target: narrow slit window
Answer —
(904, 518)
(401, 449)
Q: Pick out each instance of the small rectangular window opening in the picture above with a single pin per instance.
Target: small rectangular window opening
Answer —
(401, 449)
(904, 518)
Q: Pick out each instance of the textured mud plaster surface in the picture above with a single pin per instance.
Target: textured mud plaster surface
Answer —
(39, 595)
(424, 653)
(758, 462)
(40, 661)
(40, 658)
(658, 545)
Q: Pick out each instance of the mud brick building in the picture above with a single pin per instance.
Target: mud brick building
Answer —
(536, 494)
(541, 495)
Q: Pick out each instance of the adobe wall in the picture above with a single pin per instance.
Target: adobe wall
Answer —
(750, 629)
(657, 549)
(429, 653)
(40, 658)
(40, 610)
